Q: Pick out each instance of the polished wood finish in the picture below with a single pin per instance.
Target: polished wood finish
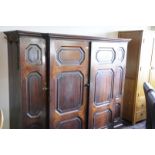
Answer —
(139, 69)
(69, 66)
(33, 75)
(108, 61)
(65, 81)
(27, 70)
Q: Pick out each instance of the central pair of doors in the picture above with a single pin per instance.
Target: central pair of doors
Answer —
(82, 85)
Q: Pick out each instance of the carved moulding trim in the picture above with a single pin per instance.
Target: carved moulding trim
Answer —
(33, 54)
(59, 78)
(71, 49)
(29, 93)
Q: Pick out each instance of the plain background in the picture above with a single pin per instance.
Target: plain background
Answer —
(102, 13)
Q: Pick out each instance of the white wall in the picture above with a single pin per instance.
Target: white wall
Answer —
(108, 31)
(152, 28)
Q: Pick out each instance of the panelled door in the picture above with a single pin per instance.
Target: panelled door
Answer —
(33, 82)
(68, 84)
(107, 72)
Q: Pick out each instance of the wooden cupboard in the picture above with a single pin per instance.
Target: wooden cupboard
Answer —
(140, 69)
(68, 83)
(65, 81)
(107, 73)
(27, 80)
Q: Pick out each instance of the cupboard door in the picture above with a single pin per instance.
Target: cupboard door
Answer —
(33, 82)
(68, 84)
(106, 84)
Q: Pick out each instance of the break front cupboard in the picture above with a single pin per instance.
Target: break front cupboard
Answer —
(65, 81)
(140, 69)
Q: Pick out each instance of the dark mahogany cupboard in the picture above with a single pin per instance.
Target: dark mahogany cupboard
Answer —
(107, 73)
(65, 81)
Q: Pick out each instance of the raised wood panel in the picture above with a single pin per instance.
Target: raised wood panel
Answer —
(74, 123)
(69, 71)
(34, 96)
(70, 55)
(118, 82)
(103, 119)
(117, 115)
(103, 87)
(120, 54)
(33, 54)
(70, 91)
(105, 55)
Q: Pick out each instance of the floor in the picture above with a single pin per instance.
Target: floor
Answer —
(140, 125)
